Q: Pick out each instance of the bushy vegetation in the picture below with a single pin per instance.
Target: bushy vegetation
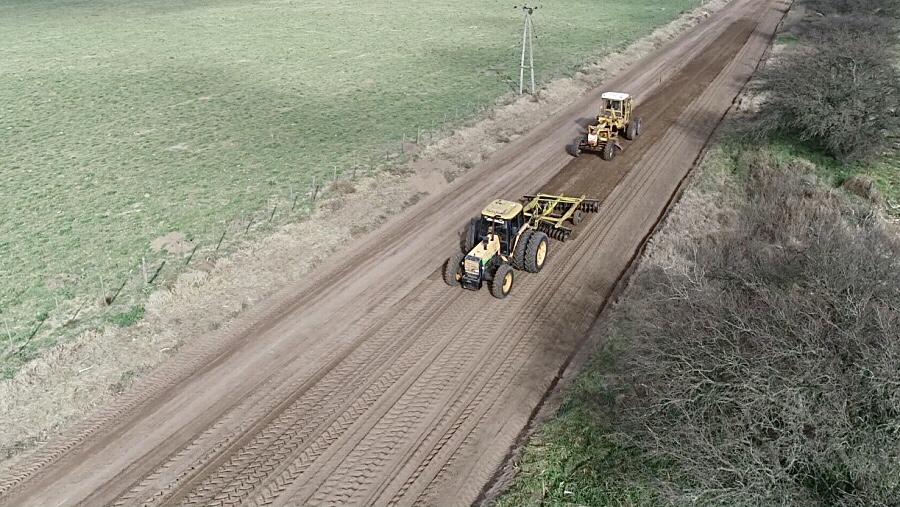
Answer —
(769, 374)
(840, 86)
(875, 8)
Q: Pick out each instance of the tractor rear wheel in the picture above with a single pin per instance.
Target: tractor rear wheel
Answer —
(502, 282)
(639, 128)
(536, 252)
(470, 237)
(518, 258)
(609, 151)
(453, 270)
(575, 147)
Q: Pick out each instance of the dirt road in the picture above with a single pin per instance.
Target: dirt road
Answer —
(372, 382)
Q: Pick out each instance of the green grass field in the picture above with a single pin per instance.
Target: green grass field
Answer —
(124, 121)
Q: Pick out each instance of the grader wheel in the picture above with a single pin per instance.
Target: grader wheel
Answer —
(631, 131)
(609, 151)
(575, 147)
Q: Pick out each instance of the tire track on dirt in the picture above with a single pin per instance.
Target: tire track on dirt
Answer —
(410, 366)
(245, 405)
(325, 395)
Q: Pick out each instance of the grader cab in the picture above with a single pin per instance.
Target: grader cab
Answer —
(510, 236)
(616, 117)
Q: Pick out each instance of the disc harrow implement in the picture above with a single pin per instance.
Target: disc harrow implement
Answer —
(548, 213)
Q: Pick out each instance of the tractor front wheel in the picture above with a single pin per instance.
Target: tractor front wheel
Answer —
(575, 147)
(609, 151)
(536, 252)
(502, 282)
(453, 270)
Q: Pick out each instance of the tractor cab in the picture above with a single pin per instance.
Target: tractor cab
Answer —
(614, 105)
(503, 219)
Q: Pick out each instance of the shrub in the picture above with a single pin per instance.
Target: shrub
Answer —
(770, 375)
(880, 8)
(840, 88)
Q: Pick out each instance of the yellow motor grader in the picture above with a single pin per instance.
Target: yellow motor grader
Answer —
(511, 236)
(616, 116)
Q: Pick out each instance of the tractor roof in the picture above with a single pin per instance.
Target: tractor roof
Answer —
(614, 96)
(502, 209)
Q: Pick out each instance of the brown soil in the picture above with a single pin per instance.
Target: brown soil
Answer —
(371, 382)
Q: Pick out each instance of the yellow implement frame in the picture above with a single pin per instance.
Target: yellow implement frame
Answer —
(548, 212)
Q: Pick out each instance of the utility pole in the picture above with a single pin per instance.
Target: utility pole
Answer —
(527, 40)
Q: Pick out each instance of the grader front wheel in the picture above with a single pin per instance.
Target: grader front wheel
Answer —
(609, 151)
(631, 131)
(575, 147)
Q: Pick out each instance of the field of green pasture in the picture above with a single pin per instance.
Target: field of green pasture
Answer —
(123, 121)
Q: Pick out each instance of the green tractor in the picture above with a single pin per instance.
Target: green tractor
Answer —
(510, 236)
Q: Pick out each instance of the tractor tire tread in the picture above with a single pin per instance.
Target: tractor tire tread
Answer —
(453, 267)
(534, 242)
(497, 281)
(518, 258)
